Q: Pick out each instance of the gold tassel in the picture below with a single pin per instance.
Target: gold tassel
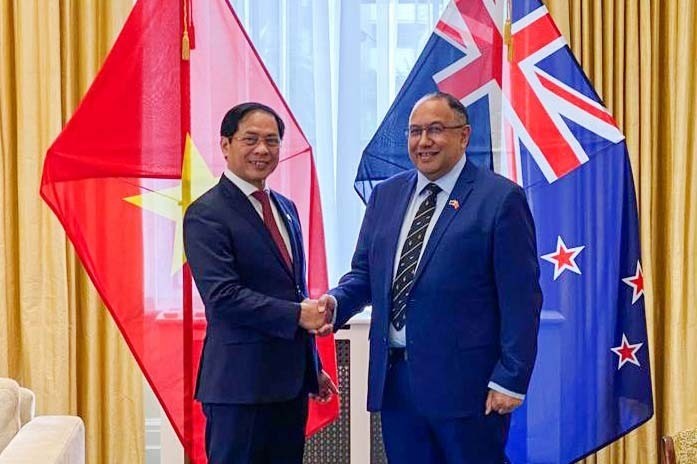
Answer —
(186, 49)
(508, 38)
(186, 45)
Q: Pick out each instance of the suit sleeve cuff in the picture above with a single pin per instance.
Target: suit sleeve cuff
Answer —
(297, 309)
(496, 387)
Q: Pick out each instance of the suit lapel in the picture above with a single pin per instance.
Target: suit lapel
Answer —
(240, 203)
(455, 204)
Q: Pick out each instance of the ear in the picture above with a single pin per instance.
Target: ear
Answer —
(224, 146)
(466, 132)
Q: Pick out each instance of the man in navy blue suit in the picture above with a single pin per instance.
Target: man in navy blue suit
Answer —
(244, 245)
(447, 257)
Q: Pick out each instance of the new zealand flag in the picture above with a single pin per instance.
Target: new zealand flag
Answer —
(537, 120)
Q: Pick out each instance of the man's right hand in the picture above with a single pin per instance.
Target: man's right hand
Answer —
(312, 316)
(328, 305)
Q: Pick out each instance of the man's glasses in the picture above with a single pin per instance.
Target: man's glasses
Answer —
(252, 140)
(432, 130)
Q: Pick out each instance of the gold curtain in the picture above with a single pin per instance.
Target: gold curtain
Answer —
(55, 335)
(640, 56)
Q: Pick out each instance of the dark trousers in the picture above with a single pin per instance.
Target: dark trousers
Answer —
(269, 433)
(411, 437)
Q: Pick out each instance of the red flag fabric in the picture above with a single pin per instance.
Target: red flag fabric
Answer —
(119, 174)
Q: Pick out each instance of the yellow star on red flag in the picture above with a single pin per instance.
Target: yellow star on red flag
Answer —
(172, 202)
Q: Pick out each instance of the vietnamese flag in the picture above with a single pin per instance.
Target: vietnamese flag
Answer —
(141, 146)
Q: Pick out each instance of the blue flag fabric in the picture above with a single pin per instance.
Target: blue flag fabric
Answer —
(537, 120)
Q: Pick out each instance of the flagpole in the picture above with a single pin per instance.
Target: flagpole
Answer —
(187, 297)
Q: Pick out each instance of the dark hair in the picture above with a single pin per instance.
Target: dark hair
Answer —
(454, 104)
(232, 118)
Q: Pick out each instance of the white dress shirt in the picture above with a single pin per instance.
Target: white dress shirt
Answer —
(248, 189)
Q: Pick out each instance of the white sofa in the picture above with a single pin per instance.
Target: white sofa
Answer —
(42, 439)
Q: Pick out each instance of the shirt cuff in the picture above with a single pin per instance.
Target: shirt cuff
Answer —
(336, 308)
(496, 387)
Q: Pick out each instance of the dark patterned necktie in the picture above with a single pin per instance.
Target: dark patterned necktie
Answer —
(411, 250)
(270, 223)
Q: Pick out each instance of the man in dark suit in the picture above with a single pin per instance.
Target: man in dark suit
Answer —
(244, 245)
(447, 257)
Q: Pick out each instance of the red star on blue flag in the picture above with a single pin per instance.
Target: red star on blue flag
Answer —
(626, 352)
(636, 281)
(563, 258)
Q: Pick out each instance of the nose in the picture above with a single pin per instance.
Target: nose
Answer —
(261, 147)
(424, 139)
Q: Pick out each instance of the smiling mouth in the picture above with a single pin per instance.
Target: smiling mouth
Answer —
(259, 164)
(425, 156)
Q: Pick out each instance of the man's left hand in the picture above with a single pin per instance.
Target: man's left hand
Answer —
(326, 388)
(500, 403)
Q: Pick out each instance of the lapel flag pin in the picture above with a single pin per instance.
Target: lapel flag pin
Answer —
(454, 203)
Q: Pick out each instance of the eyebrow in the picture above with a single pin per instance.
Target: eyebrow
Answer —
(428, 124)
(273, 134)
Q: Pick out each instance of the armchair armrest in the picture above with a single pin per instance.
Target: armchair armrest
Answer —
(9, 411)
(48, 439)
(27, 405)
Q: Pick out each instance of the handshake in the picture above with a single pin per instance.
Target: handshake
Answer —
(317, 316)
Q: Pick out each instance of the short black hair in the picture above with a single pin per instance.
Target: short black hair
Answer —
(454, 104)
(232, 118)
